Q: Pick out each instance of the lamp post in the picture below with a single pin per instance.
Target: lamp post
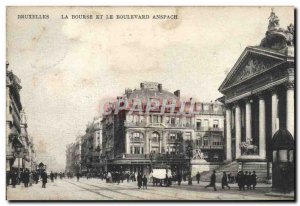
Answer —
(151, 159)
(189, 153)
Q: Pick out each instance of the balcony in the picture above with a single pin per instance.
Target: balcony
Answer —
(209, 129)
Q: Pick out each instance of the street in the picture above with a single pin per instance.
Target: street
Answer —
(95, 189)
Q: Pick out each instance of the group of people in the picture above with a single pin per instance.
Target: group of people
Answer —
(249, 180)
(28, 178)
(246, 179)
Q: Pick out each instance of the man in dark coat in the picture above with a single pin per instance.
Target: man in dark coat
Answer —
(253, 180)
(144, 182)
(240, 180)
(198, 177)
(44, 177)
(179, 178)
(26, 178)
(14, 178)
(249, 182)
(52, 176)
(246, 179)
(225, 181)
(78, 176)
(139, 180)
(212, 181)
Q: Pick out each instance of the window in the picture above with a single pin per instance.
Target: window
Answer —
(217, 140)
(188, 122)
(205, 141)
(198, 142)
(216, 124)
(188, 136)
(172, 136)
(155, 118)
(198, 124)
(168, 120)
(155, 142)
(137, 137)
(173, 120)
(205, 107)
(205, 123)
(136, 150)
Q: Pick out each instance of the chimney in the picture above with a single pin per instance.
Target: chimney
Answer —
(160, 87)
(177, 93)
(128, 92)
(142, 85)
(7, 64)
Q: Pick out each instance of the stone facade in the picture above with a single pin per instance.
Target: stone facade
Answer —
(259, 99)
(134, 140)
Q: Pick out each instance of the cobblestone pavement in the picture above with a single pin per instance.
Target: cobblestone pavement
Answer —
(95, 189)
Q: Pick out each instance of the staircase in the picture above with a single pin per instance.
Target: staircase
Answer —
(231, 167)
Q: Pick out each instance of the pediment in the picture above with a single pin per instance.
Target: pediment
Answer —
(251, 63)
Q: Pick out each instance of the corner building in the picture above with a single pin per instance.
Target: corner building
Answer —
(134, 141)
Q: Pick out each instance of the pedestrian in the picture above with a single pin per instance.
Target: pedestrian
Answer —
(246, 179)
(249, 182)
(144, 182)
(240, 180)
(198, 177)
(253, 180)
(139, 180)
(52, 176)
(26, 178)
(78, 176)
(225, 181)
(30, 179)
(14, 178)
(212, 181)
(44, 177)
(179, 178)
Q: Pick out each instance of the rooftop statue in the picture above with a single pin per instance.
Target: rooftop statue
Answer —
(273, 21)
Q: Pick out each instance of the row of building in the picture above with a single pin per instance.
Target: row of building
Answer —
(136, 140)
(257, 103)
(20, 150)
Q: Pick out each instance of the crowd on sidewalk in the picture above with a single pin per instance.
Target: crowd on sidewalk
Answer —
(28, 178)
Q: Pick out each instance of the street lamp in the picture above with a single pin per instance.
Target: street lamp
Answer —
(189, 153)
(151, 159)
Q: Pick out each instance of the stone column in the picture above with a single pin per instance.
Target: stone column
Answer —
(146, 143)
(275, 125)
(127, 142)
(160, 140)
(248, 120)
(262, 127)
(238, 130)
(290, 107)
(228, 134)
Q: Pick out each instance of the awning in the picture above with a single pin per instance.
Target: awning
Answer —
(15, 164)
(161, 173)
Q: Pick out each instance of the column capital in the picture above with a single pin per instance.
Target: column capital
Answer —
(273, 90)
(248, 99)
(261, 95)
(289, 84)
(236, 104)
(228, 106)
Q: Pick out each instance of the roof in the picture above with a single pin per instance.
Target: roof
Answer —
(283, 139)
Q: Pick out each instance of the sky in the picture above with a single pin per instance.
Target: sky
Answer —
(69, 68)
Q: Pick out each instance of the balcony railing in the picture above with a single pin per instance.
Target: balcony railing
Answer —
(209, 129)
(158, 124)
